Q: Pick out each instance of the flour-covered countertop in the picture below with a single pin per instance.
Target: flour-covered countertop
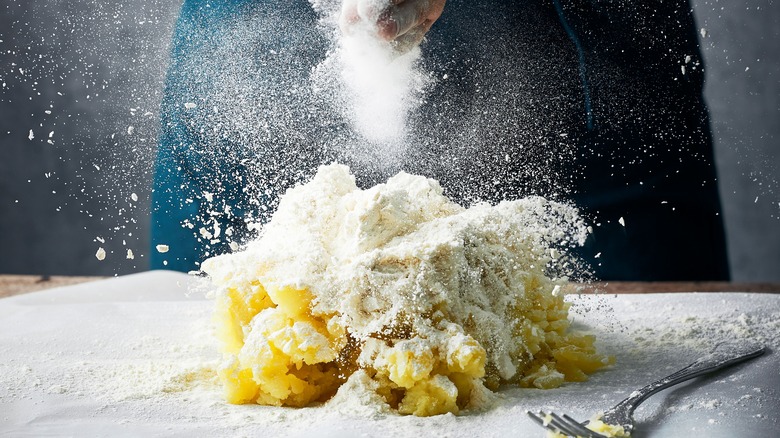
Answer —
(134, 355)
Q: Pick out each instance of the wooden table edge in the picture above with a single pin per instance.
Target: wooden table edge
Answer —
(19, 284)
(645, 287)
(11, 285)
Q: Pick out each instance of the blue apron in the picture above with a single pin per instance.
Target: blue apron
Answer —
(597, 103)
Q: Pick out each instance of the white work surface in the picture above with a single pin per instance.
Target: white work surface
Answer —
(134, 356)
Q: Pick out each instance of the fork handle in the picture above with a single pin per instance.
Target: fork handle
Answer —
(722, 356)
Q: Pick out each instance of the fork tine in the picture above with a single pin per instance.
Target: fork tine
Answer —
(542, 419)
(571, 427)
(537, 418)
(563, 424)
(580, 429)
(559, 425)
(545, 420)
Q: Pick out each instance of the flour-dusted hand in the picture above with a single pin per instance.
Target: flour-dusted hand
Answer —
(403, 22)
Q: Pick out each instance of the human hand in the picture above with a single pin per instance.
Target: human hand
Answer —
(401, 22)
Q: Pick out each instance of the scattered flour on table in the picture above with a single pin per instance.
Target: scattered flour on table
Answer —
(167, 375)
(653, 343)
(116, 369)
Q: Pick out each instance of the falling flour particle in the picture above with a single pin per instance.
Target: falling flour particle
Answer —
(162, 248)
(134, 197)
(703, 32)
(622, 221)
(100, 239)
(374, 84)
(31, 135)
(190, 105)
(380, 87)
(130, 130)
(100, 254)
(130, 255)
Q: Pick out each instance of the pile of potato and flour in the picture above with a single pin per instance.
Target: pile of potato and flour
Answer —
(399, 291)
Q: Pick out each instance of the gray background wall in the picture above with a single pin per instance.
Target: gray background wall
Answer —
(88, 71)
(742, 59)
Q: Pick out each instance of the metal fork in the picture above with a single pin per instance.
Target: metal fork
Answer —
(722, 356)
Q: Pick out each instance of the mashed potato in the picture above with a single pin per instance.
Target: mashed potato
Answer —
(427, 303)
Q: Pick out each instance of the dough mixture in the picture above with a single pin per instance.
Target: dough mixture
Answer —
(398, 292)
